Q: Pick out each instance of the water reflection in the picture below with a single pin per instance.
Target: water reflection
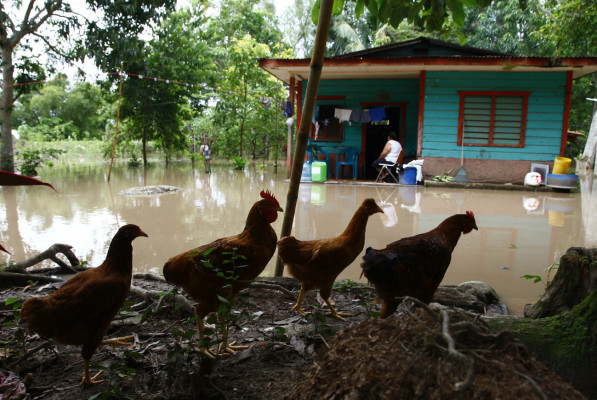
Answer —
(519, 232)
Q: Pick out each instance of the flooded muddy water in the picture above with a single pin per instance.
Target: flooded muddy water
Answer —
(520, 233)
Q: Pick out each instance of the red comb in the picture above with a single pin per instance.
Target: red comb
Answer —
(470, 213)
(266, 194)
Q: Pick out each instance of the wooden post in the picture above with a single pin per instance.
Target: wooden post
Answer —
(117, 119)
(323, 27)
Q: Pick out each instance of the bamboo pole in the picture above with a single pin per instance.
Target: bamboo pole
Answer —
(323, 27)
(117, 119)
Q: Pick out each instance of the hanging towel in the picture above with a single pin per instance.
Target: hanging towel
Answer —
(315, 114)
(377, 114)
(288, 111)
(365, 117)
(355, 116)
(342, 114)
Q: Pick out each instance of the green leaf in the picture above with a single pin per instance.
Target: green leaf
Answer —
(337, 7)
(315, 12)
(11, 300)
(224, 300)
(360, 8)
(457, 10)
(536, 278)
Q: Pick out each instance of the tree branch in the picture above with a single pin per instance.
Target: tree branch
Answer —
(470, 372)
(50, 253)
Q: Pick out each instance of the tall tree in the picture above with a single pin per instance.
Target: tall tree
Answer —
(244, 88)
(178, 57)
(76, 107)
(58, 29)
(506, 27)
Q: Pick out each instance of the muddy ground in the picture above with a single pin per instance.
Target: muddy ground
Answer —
(403, 357)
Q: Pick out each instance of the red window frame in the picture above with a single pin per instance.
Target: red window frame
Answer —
(493, 95)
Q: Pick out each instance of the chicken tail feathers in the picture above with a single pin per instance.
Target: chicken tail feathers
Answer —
(36, 313)
(174, 272)
(377, 266)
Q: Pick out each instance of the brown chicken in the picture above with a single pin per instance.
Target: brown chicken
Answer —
(219, 270)
(317, 263)
(416, 265)
(80, 312)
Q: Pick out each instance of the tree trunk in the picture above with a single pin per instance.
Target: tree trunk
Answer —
(7, 162)
(566, 342)
(144, 142)
(587, 161)
(575, 279)
(323, 27)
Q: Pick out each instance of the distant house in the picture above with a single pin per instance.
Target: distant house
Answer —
(497, 112)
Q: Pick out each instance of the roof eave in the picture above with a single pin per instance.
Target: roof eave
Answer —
(389, 68)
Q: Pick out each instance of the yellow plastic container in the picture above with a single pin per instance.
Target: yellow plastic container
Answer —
(561, 165)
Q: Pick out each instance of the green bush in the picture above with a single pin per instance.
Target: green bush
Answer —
(239, 163)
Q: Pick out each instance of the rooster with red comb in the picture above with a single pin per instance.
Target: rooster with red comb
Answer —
(220, 269)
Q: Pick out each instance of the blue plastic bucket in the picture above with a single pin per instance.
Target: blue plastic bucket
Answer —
(410, 176)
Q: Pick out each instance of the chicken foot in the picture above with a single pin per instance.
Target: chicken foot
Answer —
(87, 381)
(335, 313)
(226, 348)
(120, 341)
(200, 328)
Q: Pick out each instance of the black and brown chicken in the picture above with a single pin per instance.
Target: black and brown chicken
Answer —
(415, 266)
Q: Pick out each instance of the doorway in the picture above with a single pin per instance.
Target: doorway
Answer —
(376, 136)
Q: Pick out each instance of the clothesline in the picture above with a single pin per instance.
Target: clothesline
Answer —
(357, 116)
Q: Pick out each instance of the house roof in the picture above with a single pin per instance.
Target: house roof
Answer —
(406, 60)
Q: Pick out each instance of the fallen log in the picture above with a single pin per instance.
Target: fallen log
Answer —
(51, 254)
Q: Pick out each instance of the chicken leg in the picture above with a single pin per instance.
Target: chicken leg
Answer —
(87, 381)
(297, 306)
(326, 293)
(224, 346)
(200, 328)
(120, 341)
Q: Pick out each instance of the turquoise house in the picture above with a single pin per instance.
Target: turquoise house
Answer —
(451, 105)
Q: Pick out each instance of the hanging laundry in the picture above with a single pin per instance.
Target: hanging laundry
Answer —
(315, 114)
(266, 102)
(355, 116)
(342, 114)
(288, 112)
(365, 117)
(282, 104)
(316, 129)
(377, 114)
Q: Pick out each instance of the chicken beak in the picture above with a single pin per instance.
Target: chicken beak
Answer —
(141, 233)
(279, 209)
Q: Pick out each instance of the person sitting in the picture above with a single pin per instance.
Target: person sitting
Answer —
(390, 154)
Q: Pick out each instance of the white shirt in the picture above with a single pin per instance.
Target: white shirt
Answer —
(395, 150)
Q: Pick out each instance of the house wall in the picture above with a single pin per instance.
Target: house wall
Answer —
(544, 123)
(356, 92)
